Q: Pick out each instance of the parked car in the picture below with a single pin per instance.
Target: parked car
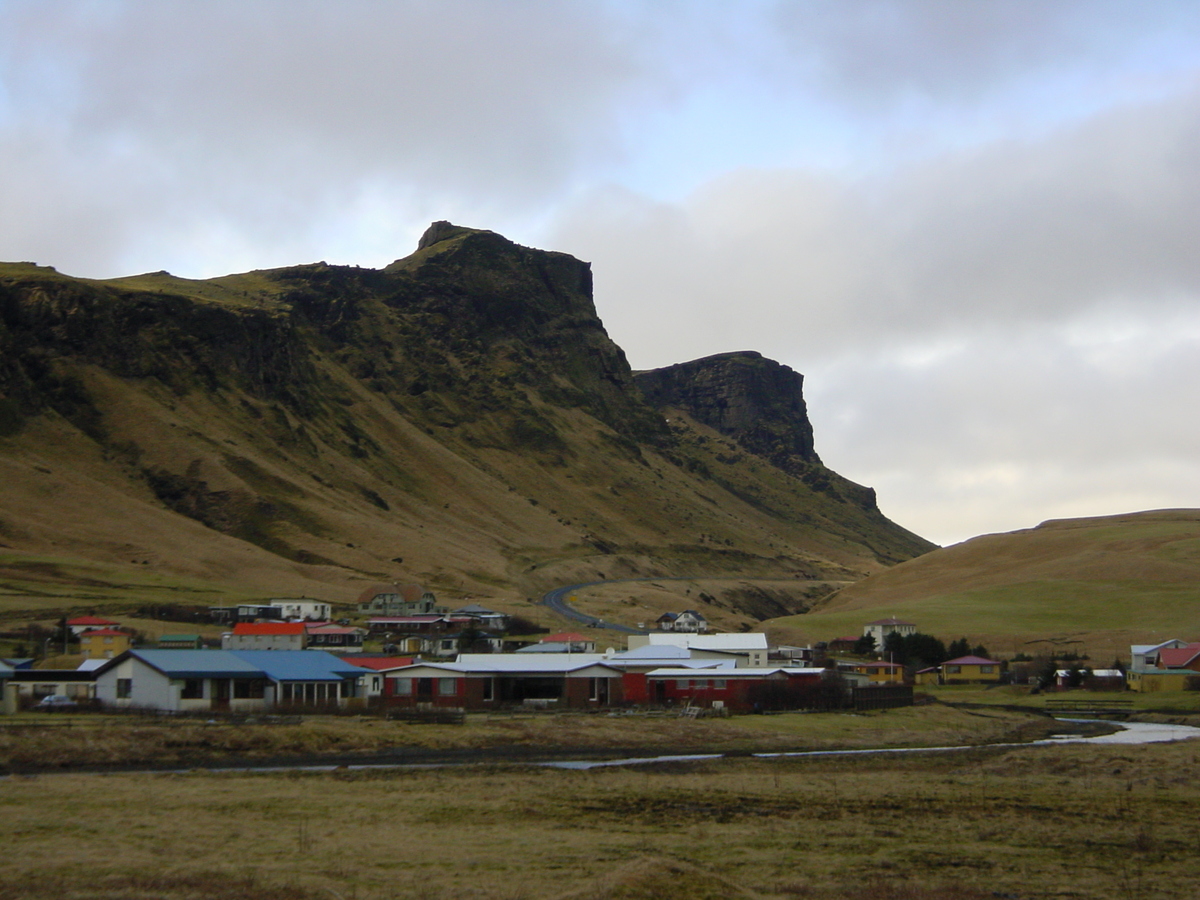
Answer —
(56, 701)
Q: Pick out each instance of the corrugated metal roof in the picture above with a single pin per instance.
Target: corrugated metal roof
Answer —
(197, 663)
(753, 640)
(295, 665)
(676, 672)
(529, 663)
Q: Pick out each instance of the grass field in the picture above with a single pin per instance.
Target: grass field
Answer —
(38, 740)
(1078, 822)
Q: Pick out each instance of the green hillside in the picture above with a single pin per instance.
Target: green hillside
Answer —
(459, 418)
(1092, 585)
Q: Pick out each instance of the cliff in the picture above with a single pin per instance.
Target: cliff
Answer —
(459, 418)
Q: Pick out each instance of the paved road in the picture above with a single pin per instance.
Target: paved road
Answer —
(557, 601)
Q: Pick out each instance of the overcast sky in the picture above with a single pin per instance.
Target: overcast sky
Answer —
(973, 226)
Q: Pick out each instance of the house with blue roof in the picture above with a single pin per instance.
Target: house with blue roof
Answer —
(226, 680)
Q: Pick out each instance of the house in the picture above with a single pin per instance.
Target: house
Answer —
(104, 643)
(876, 672)
(180, 642)
(335, 638)
(78, 684)
(371, 684)
(636, 663)
(245, 612)
(564, 642)
(302, 608)
(881, 628)
(494, 680)
(234, 680)
(487, 618)
(688, 621)
(266, 636)
(751, 646)
(971, 670)
(1169, 666)
(83, 623)
(736, 689)
(398, 600)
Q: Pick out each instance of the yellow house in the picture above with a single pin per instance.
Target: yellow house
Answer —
(971, 670)
(104, 643)
(881, 672)
(1150, 682)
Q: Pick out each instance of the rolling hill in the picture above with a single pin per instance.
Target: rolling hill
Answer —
(459, 418)
(1090, 585)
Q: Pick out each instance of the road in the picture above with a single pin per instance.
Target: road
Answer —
(557, 601)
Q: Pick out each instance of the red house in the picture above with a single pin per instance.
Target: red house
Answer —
(738, 690)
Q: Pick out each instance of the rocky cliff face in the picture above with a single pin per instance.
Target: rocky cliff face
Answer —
(459, 418)
(757, 402)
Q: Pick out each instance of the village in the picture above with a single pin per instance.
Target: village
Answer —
(410, 656)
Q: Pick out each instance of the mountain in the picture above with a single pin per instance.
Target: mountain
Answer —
(1091, 585)
(459, 418)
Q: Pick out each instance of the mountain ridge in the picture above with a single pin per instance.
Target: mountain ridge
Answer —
(459, 417)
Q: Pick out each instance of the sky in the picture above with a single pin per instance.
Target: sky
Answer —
(973, 226)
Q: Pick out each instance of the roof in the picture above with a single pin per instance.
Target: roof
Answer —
(1150, 648)
(89, 665)
(323, 628)
(563, 637)
(879, 665)
(407, 620)
(296, 665)
(654, 651)
(532, 663)
(754, 640)
(891, 621)
(195, 663)
(733, 673)
(474, 609)
(1178, 657)
(269, 628)
(91, 620)
(971, 661)
(381, 663)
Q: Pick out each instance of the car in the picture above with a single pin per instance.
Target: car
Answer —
(55, 701)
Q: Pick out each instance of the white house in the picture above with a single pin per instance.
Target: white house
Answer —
(881, 628)
(751, 646)
(303, 608)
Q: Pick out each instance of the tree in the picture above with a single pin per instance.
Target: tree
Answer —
(961, 647)
(924, 649)
(895, 647)
(980, 651)
(865, 645)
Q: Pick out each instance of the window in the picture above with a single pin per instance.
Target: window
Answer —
(953, 670)
(45, 690)
(193, 689)
(489, 689)
(447, 687)
(985, 670)
(402, 687)
(719, 684)
(249, 689)
(124, 688)
(681, 684)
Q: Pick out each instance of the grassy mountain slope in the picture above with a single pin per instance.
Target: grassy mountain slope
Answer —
(459, 418)
(1094, 584)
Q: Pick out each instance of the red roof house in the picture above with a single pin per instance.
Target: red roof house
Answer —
(266, 636)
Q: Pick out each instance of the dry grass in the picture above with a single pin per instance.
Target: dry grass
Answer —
(1087, 823)
(37, 741)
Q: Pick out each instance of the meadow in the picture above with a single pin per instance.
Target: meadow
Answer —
(1078, 822)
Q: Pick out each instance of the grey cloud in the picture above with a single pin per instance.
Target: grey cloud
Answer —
(887, 51)
(1103, 213)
